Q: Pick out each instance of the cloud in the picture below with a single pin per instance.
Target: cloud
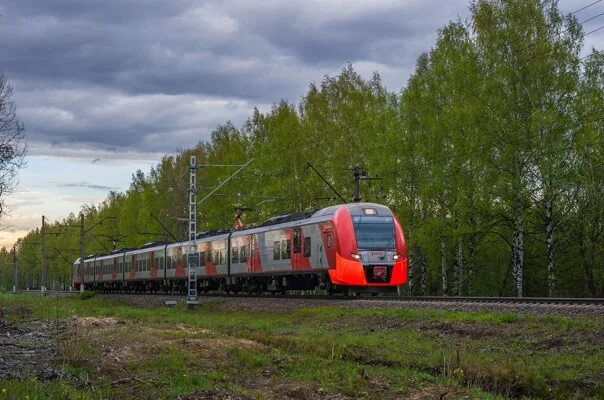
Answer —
(111, 120)
(122, 76)
(86, 185)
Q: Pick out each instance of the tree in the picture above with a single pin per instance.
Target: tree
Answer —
(12, 142)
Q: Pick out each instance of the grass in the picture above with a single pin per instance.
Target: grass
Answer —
(359, 353)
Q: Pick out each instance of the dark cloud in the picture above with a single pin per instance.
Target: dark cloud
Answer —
(86, 185)
(152, 76)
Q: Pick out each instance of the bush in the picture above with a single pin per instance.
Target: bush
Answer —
(87, 294)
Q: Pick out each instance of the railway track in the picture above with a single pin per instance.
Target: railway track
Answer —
(446, 299)
(393, 298)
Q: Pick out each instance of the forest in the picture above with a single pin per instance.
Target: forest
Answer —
(491, 156)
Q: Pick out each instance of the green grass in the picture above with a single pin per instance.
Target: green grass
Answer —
(332, 349)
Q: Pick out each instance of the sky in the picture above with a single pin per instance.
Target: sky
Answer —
(107, 87)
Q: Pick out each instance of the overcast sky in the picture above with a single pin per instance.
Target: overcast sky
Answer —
(106, 87)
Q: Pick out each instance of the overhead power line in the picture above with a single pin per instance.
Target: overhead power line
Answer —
(586, 7)
(590, 55)
(595, 30)
(592, 18)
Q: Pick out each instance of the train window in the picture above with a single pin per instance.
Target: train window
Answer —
(223, 256)
(277, 251)
(285, 249)
(328, 240)
(242, 255)
(297, 244)
(202, 258)
(307, 246)
(235, 254)
(216, 257)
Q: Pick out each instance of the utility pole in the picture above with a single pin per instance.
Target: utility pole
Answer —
(193, 258)
(360, 175)
(15, 268)
(81, 252)
(357, 172)
(43, 270)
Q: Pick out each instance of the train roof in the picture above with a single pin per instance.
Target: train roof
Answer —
(214, 232)
(151, 244)
(290, 217)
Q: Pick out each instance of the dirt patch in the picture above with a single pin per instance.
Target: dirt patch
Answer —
(28, 349)
(271, 390)
(435, 391)
(217, 395)
(93, 322)
(542, 337)
(113, 346)
(189, 330)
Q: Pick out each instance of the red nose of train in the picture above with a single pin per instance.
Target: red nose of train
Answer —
(371, 247)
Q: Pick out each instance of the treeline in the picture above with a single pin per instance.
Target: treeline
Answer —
(492, 156)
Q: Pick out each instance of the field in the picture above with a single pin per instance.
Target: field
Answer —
(102, 348)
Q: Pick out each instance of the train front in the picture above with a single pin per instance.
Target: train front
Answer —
(371, 249)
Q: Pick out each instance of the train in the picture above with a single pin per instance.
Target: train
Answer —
(347, 248)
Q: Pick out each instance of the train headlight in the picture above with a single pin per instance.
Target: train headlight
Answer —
(396, 257)
(355, 256)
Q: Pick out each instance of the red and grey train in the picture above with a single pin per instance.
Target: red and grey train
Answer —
(356, 246)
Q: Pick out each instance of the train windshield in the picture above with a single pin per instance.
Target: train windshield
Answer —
(374, 233)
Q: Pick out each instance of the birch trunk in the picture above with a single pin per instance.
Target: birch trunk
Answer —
(459, 266)
(549, 243)
(443, 266)
(470, 265)
(410, 268)
(518, 250)
(423, 273)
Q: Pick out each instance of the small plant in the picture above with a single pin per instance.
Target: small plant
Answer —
(87, 294)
